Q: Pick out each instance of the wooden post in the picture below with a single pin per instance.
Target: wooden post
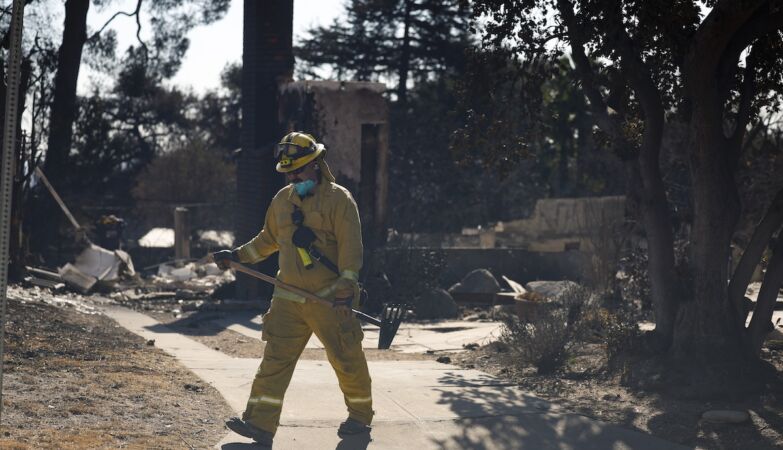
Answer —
(181, 234)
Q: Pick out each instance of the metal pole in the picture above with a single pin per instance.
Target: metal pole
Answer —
(181, 234)
(57, 198)
(6, 182)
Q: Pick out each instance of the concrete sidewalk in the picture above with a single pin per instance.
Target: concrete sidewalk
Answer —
(420, 404)
(443, 336)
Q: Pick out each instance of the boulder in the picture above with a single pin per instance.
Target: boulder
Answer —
(479, 281)
(550, 290)
(436, 304)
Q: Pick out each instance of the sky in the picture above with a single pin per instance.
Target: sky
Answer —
(215, 45)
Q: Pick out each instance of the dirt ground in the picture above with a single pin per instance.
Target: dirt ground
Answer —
(75, 380)
(585, 388)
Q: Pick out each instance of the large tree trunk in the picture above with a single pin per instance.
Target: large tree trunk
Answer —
(63, 113)
(664, 282)
(267, 61)
(706, 325)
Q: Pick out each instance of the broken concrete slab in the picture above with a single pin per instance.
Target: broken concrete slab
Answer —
(76, 278)
(102, 264)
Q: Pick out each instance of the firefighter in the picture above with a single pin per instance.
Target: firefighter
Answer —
(313, 205)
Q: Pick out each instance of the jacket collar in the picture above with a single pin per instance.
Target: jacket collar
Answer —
(318, 191)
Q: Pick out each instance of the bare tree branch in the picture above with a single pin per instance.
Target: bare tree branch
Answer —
(747, 94)
(765, 303)
(136, 13)
(609, 123)
(716, 33)
(753, 252)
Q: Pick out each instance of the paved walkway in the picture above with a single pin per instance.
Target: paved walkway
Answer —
(444, 336)
(420, 404)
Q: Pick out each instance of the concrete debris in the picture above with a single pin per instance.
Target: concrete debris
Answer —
(437, 304)
(197, 276)
(158, 238)
(43, 282)
(76, 278)
(43, 273)
(162, 237)
(212, 269)
(96, 264)
(550, 290)
(183, 273)
(516, 287)
(217, 238)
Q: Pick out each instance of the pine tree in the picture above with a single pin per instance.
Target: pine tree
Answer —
(403, 41)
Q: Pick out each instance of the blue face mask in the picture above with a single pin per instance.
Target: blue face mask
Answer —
(304, 187)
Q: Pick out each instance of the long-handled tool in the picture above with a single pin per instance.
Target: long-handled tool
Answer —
(389, 323)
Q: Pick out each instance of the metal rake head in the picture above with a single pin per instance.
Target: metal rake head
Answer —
(391, 318)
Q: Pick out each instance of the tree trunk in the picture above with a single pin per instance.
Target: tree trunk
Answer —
(267, 61)
(63, 113)
(765, 304)
(17, 250)
(664, 282)
(706, 328)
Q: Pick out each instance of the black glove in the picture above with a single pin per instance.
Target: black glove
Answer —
(224, 257)
(303, 237)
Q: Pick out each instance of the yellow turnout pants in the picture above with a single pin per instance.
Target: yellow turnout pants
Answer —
(287, 327)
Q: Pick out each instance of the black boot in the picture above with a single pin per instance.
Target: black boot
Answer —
(352, 427)
(251, 431)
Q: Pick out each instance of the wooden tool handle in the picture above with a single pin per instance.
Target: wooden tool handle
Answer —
(262, 276)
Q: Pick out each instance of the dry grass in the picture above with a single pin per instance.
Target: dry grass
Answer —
(77, 381)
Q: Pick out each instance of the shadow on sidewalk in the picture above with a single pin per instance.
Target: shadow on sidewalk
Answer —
(209, 323)
(502, 416)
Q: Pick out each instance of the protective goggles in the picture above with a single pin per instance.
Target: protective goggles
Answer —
(292, 151)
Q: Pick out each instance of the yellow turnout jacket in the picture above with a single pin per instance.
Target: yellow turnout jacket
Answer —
(332, 214)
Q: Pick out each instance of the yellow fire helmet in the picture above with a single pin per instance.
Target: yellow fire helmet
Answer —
(295, 150)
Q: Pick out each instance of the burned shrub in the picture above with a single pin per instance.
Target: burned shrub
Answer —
(620, 337)
(546, 342)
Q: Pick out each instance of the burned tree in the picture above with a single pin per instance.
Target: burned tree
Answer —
(645, 67)
(266, 62)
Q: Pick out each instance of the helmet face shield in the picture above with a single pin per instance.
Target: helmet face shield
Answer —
(291, 151)
(287, 154)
